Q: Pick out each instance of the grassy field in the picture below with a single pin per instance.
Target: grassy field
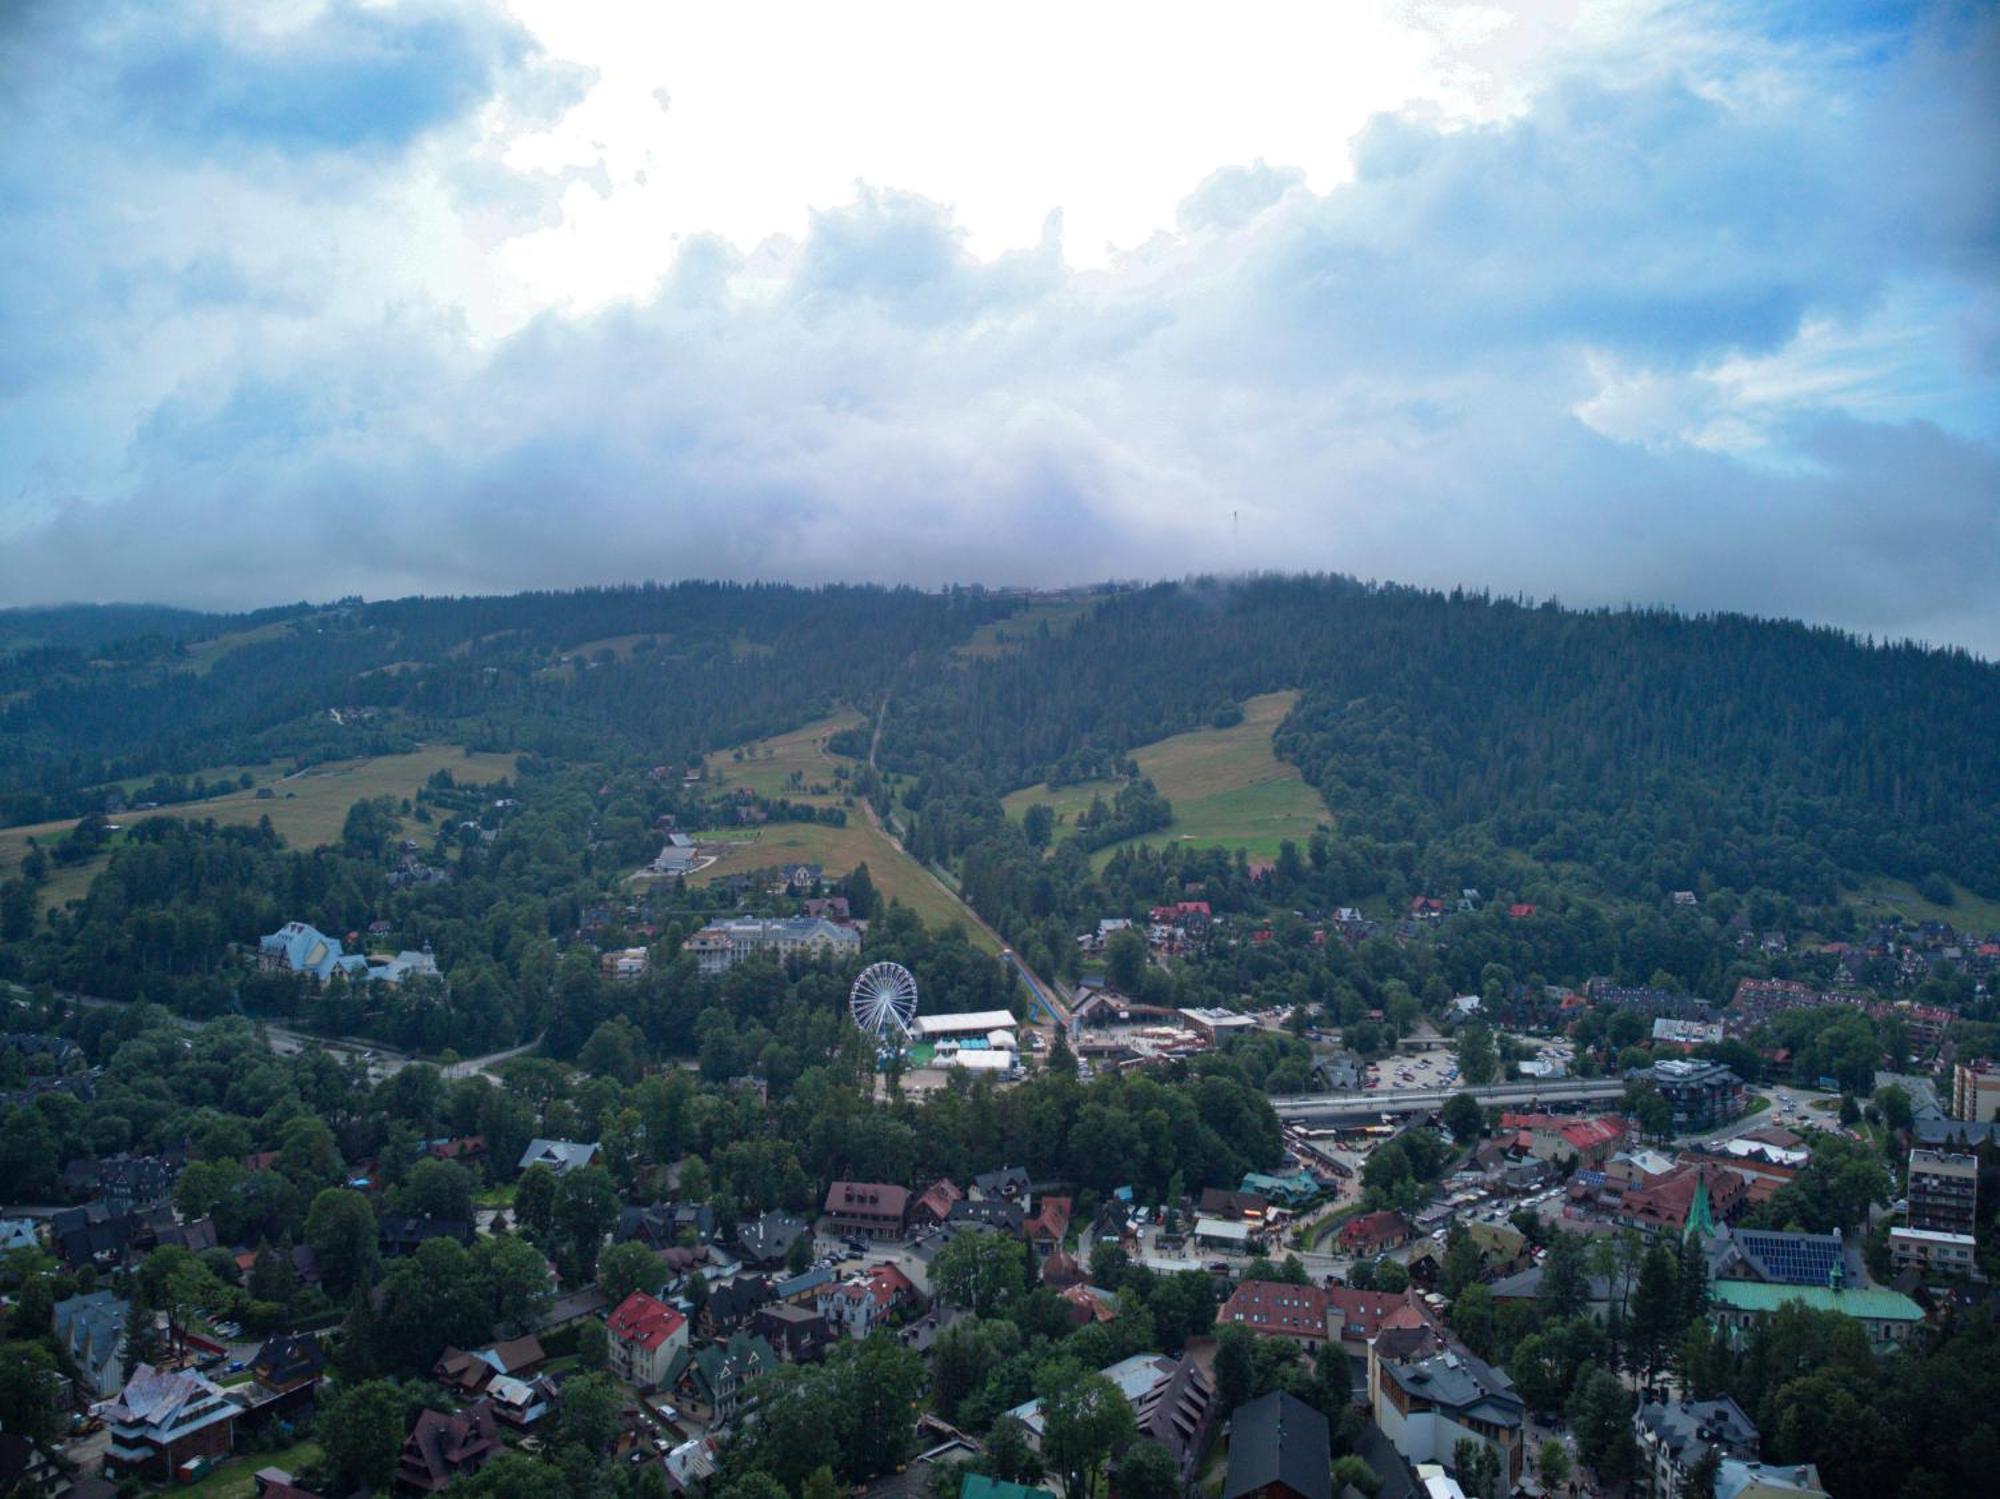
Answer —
(1228, 789)
(236, 1479)
(203, 654)
(307, 809)
(837, 850)
(768, 764)
(1888, 899)
(619, 646)
(1002, 636)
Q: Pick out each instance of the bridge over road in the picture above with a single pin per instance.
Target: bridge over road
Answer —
(1528, 1094)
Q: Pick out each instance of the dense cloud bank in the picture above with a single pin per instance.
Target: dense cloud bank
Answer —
(1720, 330)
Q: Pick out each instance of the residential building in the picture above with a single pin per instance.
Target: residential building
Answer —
(164, 1419)
(1172, 1403)
(1551, 1137)
(797, 1334)
(623, 965)
(1356, 1318)
(1279, 1448)
(1944, 1191)
(91, 1330)
(1931, 1253)
(1703, 1094)
(1278, 1309)
(878, 1209)
(766, 1240)
(300, 947)
(442, 1448)
(1008, 1184)
(647, 1336)
(1675, 1436)
(721, 945)
(1373, 1234)
(284, 1376)
(1669, 1032)
(560, 1156)
(860, 1305)
(1975, 1091)
(1427, 1405)
(718, 1376)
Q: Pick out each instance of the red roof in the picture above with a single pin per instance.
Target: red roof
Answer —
(1518, 912)
(1374, 1228)
(643, 1320)
(1276, 1307)
(1586, 1134)
(1363, 1314)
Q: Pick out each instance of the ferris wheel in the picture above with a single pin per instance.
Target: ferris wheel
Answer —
(884, 998)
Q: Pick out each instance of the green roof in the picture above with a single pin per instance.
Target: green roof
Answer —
(1757, 1296)
(979, 1486)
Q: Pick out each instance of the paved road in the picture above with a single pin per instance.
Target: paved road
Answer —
(1415, 1100)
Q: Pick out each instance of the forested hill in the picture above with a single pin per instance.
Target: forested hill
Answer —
(1634, 751)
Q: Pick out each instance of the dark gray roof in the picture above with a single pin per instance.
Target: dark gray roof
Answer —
(1956, 1131)
(1687, 1428)
(1460, 1382)
(1373, 1446)
(1279, 1439)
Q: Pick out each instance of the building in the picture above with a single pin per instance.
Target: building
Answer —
(1278, 1449)
(1172, 1403)
(1703, 1094)
(1774, 1257)
(623, 965)
(767, 1240)
(299, 947)
(797, 1334)
(164, 1420)
(1742, 1480)
(284, 1375)
(721, 945)
(646, 1337)
(719, 1375)
(1671, 1032)
(1975, 1091)
(1931, 1253)
(866, 1302)
(1944, 1192)
(1212, 1025)
(1675, 1436)
(91, 1330)
(1551, 1137)
(1426, 1405)
(560, 1156)
(969, 1026)
(877, 1209)
(1278, 1309)
(442, 1448)
(1888, 1317)
(1356, 1318)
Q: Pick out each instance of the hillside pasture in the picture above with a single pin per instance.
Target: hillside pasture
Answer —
(1227, 788)
(767, 765)
(307, 809)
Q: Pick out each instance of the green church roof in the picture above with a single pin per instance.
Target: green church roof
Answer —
(1757, 1296)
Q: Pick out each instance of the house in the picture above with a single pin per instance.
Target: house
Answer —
(560, 1156)
(27, 1468)
(285, 1375)
(934, 1204)
(1050, 1225)
(623, 965)
(1088, 1304)
(1172, 1402)
(299, 947)
(400, 1236)
(474, 1373)
(719, 1376)
(164, 1419)
(731, 1304)
(1279, 1448)
(520, 1403)
(1295, 1189)
(1676, 1435)
(1373, 1234)
(767, 1240)
(1550, 1137)
(441, 1448)
(647, 1336)
(1356, 1318)
(802, 1289)
(797, 1334)
(860, 1305)
(877, 1209)
(1931, 1253)
(1426, 1405)
(91, 1235)
(1001, 1217)
(1008, 1184)
(91, 1329)
(1278, 1309)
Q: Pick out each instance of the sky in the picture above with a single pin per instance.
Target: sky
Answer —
(1632, 302)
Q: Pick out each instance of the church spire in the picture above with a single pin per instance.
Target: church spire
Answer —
(1701, 1218)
